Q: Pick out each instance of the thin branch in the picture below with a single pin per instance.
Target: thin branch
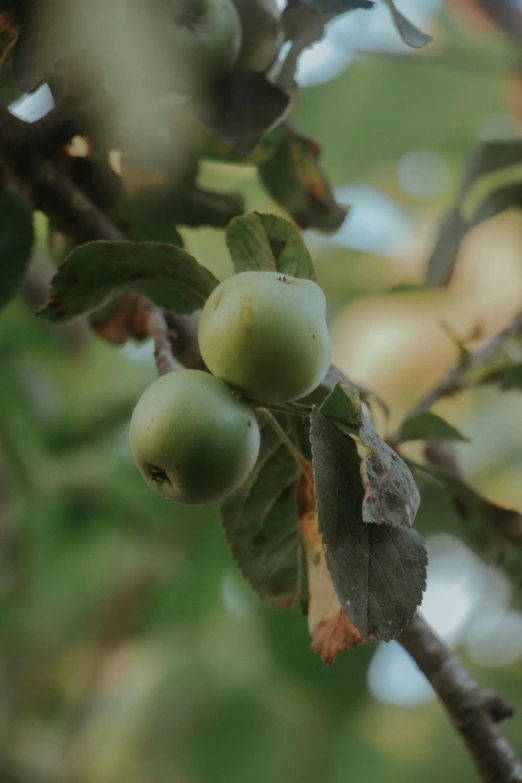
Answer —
(457, 378)
(158, 329)
(54, 193)
(474, 711)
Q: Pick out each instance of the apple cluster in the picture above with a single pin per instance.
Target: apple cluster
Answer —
(264, 339)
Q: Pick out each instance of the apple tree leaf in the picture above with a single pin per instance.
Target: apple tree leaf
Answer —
(378, 570)
(95, 273)
(428, 425)
(294, 179)
(390, 494)
(261, 523)
(263, 242)
(243, 107)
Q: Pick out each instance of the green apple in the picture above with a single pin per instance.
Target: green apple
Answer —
(263, 33)
(192, 438)
(265, 333)
(194, 40)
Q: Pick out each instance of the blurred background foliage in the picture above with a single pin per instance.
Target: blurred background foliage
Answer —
(131, 648)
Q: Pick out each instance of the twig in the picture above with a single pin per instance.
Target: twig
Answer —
(54, 193)
(474, 711)
(156, 326)
(457, 378)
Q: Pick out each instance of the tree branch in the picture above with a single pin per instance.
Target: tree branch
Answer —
(156, 325)
(54, 193)
(457, 378)
(474, 711)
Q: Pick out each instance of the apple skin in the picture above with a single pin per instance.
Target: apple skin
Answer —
(192, 438)
(265, 333)
(195, 41)
(263, 33)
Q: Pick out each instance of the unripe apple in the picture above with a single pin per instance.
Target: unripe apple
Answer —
(192, 438)
(265, 333)
(263, 33)
(194, 40)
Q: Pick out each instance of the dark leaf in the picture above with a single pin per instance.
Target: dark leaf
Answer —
(491, 183)
(215, 150)
(261, 523)
(259, 241)
(378, 571)
(390, 496)
(97, 272)
(16, 243)
(242, 108)
(410, 34)
(428, 425)
(294, 178)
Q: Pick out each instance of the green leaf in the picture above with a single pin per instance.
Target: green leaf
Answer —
(261, 524)
(508, 376)
(391, 496)
(294, 178)
(330, 381)
(97, 272)
(243, 107)
(378, 571)
(410, 34)
(491, 183)
(428, 425)
(258, 241)
(16, 243)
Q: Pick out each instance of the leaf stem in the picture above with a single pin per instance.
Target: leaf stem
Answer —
(156, 326)
(292, 448)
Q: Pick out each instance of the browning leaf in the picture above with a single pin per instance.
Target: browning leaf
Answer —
(330, 629)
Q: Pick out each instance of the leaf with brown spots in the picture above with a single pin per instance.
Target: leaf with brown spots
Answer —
(294, 178)
(330, 629)
(96, 273)
(378, 570)
(391, 496)
(262, 242)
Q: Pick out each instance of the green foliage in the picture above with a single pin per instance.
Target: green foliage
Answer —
(428, 425)
(97, 272)
(261, 523)
(244, 106)
(16, 243)
(260, 242)
(378, 570)
(294, 178)
(390, 493)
